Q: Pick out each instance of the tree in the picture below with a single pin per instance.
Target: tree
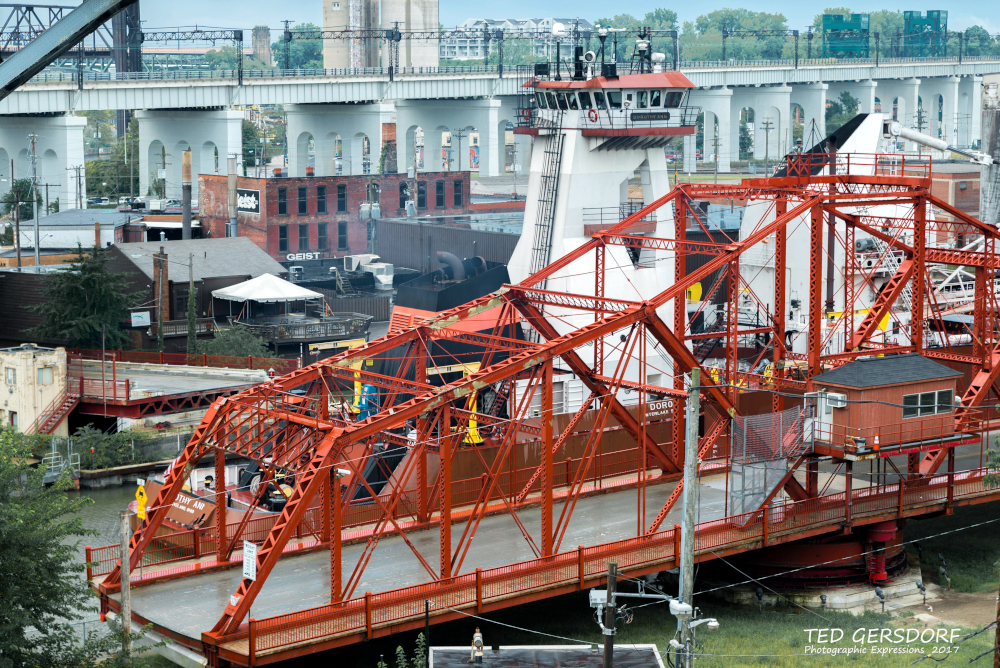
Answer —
(19, 196)
(237, 341)
(302, 53)
(251, 143)
(110, 178)
(82, 300)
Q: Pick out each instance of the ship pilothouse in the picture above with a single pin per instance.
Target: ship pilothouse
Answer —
(645, 101)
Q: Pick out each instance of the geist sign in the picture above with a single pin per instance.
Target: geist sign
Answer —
(292, 257)
(247, 201)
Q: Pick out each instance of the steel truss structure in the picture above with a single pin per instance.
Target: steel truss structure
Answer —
(294, 425)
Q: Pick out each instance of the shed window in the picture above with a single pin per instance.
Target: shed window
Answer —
(540, 98)
(674, 99)
(654, 98)
(615, 99)
(927, 403)
(572, 101)
(552, 100)
(641, 101)
(584, 100)
(599, 100)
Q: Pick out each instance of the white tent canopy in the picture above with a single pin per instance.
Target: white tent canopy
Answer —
(264, 289)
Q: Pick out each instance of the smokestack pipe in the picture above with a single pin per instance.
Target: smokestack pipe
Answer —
(186, 194)
(450, 259)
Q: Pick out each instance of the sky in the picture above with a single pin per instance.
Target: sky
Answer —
(247, 13)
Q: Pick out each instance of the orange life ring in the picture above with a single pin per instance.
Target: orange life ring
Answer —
(526, 113)
(592, 115)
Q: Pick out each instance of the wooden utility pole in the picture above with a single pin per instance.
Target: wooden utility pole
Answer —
(17, 216)
(126, 616)
(609, 617)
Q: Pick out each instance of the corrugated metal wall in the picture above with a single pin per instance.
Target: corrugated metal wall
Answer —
(415, 245)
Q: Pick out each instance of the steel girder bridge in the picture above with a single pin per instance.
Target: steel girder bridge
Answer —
(293, 425)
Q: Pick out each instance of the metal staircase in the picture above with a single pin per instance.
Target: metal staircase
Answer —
(890, 263)
(541, 251)
(344, 286)
(55, 412)
(706, 346)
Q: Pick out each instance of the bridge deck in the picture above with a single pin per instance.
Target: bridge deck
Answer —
(192, 605)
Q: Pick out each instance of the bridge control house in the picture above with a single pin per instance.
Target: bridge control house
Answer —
(310, 218)
(879, 406)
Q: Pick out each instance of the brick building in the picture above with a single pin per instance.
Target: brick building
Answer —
(312, 218)
(958, 185)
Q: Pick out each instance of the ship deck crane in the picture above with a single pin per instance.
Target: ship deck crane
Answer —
(894, 129)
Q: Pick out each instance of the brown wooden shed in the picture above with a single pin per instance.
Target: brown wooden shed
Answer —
(902, 399)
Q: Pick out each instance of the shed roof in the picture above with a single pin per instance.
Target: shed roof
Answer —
(85, 218)
(888, 370)
(213, 258)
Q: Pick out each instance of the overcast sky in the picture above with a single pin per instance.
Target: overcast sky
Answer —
(247, 13)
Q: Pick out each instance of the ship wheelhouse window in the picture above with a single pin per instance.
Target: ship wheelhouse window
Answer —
(599, 101)
(654, 98)
(674, 99)
(561, 98)
(615, 99)
(584, 100)
(641, 100)
(552, 100)
(540, 98)
(571, 97)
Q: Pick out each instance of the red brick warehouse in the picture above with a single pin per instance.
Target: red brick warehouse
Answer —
(316, 217)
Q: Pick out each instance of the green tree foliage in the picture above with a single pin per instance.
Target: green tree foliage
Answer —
(702, 39)
(42, 583)
(251, 143)
(226, 58)
(237, 341)
(110, 450)
(841, 110)
(419, 659)
(658, 19)
(82, 299)
(118, 169)
(302, 53)
(100, 129)
(20, 196)
(992, 477)
(6, 234)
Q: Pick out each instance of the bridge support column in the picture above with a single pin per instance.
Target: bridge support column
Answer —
(944, 127)
(164, 134)
(59, 148)
(336, 138)
(521, 143)
(772, 106)
(970, 105)
(906, 94)
(435, 117)
(716, 104)
(812, 98)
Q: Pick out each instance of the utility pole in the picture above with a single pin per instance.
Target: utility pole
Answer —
(459, 135)
(768, 125)
(126, 594)
(287, 35)
(33, 138)
(715, 144)
(686, 593)
(79, 187)
(609, 617)
(17, 216)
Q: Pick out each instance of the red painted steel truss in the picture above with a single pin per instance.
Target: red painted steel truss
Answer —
(294, 423)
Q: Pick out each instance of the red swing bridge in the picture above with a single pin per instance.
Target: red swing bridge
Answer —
(494, 506)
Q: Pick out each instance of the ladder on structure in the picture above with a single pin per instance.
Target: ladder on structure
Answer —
(541, 251)
(890, 263)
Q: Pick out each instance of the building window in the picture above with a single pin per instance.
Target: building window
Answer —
(403, 195)
(282, 201)
(342, 236)
(303, 237)
(439, 194)
(927, 403)
(303, 203)
(962, 185)
(11, 376)
(45, 375)
(320, 199)
(283, 238)
(458, 193)
(13, 419)
(341, 198)
(321, 236)
(421, 195)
